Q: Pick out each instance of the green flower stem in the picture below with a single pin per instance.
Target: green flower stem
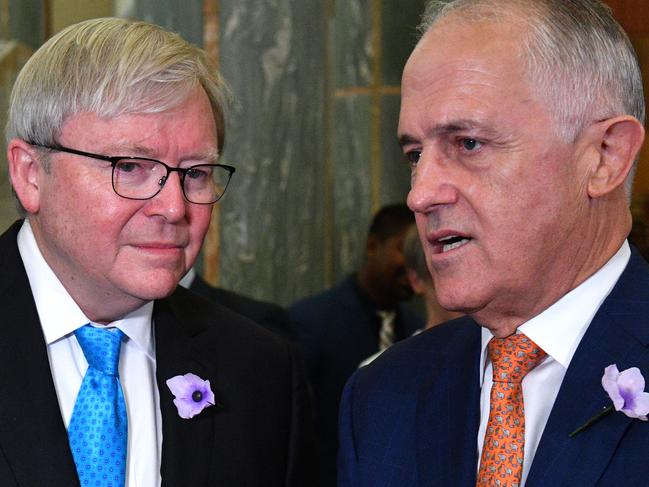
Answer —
(591, 421)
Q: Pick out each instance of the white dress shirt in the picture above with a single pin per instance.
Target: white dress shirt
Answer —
(188, 278)
(558, 331)
(60, 317)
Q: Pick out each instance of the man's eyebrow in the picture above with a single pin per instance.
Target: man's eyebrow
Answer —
(127, 149)
(406, 140)
(210, 155)
(137, 150)
(451, 127)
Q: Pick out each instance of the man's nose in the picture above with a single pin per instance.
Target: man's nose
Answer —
(170, 202)
(433, 184)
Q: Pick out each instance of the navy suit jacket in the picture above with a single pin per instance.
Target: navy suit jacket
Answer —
(258, 437)
(411, 418)
(338, 329)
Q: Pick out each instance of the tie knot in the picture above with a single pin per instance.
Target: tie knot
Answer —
(513, 357)
(100, 347)
(386, 316)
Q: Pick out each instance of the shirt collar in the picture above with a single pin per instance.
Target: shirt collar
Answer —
(58, 313)
(559, 329)
(188, 279)
(137, 327)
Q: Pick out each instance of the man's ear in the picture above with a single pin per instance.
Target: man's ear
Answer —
(616, 142)
(371, 246)
(25, 171)
(416, 283)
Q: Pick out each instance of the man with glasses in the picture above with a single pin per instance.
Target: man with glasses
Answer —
(111, 374)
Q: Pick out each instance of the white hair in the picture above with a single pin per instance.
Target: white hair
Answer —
(109, 67)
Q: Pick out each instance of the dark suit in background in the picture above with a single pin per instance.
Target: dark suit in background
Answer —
(338, 329)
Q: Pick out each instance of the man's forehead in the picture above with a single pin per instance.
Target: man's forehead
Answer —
(456, 98)
(147, 149)
(452, 40)
(147, 134)
(451, 68)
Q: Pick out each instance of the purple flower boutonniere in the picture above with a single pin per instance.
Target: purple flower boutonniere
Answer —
(626, 390)
(192, 393)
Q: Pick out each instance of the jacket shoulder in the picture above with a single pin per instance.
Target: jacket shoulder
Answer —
(434, 349)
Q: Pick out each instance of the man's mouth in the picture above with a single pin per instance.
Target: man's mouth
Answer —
(450, 242)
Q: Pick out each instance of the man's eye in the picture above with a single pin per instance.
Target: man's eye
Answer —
(198, 172)
(470, 145)
(412, 157)
(127, 166)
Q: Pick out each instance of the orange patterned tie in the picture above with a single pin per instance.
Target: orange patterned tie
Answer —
(501, 462)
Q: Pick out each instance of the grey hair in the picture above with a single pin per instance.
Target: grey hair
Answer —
(413, 254)
(109, 67)
(575, 52)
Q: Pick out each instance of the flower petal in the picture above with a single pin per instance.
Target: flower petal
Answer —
(193, 378)
(611, 373)
(187, 409)
(208, 394)
(640, 406)
(609, 383)
(631, 380)
(180, 386)
(183, 388)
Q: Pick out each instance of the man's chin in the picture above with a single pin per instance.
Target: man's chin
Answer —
(157, 286)
(457, 302)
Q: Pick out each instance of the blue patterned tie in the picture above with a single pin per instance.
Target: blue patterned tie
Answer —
(98, 428)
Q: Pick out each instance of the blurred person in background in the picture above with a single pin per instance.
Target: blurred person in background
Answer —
(343, 325)
(422, 285)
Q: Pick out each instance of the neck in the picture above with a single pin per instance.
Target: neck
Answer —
(435, 314)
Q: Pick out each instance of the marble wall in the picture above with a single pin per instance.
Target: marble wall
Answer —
(24, 21)
(273, 238)
(371, 41)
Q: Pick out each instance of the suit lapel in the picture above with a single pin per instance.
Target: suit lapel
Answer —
(33, 437)
(449, 408)
(617, 335)
(187, 444)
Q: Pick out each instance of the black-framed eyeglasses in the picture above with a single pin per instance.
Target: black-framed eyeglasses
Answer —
(141, 178)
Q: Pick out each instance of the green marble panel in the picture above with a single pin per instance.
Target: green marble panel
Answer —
(12, 57)
(273, 237)
(395, 174)
(351, 34)
(398, 36)
(351, 154)
(184, 17)
(26, 22)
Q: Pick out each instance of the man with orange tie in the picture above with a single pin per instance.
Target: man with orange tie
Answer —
(521, 121)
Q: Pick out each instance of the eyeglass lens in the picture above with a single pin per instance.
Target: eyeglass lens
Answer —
(143, 179)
